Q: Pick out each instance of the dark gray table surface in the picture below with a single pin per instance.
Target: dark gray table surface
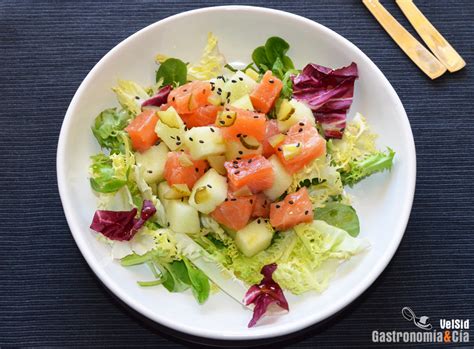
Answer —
(48, 294)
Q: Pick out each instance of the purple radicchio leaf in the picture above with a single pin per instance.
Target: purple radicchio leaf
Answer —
(121, 225)
(328, 93)
(267, 296)
(160, 98)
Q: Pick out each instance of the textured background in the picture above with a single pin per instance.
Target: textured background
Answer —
(49, 296)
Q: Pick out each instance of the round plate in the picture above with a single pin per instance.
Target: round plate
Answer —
(383, 201)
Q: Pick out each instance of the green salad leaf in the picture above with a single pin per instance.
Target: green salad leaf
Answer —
(175, 276)
(200, 285)
(104, 177)
(339, 215)
(108, 129)
(172, 72)
(360, 169)
(272, 56)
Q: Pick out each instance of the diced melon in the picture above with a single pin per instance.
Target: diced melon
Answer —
(243, 102)
(301, 113)
(217, 163)
(204, 141)
(209, 191)
(217, 86)
(153, 162)
(236, 149)
(282, 179)
(163, 189)
(254, 237)
(170, 128)
(182, 217)
(237, 86)
(252, 74)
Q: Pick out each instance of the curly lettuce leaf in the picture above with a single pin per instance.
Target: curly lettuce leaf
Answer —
(105, 176)
(322, 180)
(355, 155)
(360, 169)
(315, 257)
(210, 65)
(307, 256)
(130, 95)
(357, 142)
(108, 129)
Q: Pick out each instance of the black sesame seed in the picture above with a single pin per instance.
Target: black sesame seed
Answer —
(209, 186)
(212, 130)
(227, 109)
(201, 141)
(150, 171)
(212, 88)
(234, 199)
(239, 134)
(226, 199)
(279, 148)
(251, 201)
(178, 138)
(235, 166)
(222, 122)
(168, 224)
(235, 162)
(238, 158)
(185, 90)
(219, 92)
(301, 123)
(259, 221)
(298, 144)
(306, 212)
(245, 136)
(277, 206)
(255, 116)
(191, 139)
(219, 89)
(291, 202)
(178, 143)
(173, 99)
(241, 78)
(196, 169)
(300, 130)
(241, 152)
(250, 161)
(233, 81)
(228, 94)
(136, 97)
(237, 172)
(172, 137)
(228, 117)
(271, 81)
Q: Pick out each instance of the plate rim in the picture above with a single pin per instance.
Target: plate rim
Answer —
(274, 330)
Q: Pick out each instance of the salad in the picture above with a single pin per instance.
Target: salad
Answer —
(224, 178)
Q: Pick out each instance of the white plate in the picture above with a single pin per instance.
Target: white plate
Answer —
(383, 201)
